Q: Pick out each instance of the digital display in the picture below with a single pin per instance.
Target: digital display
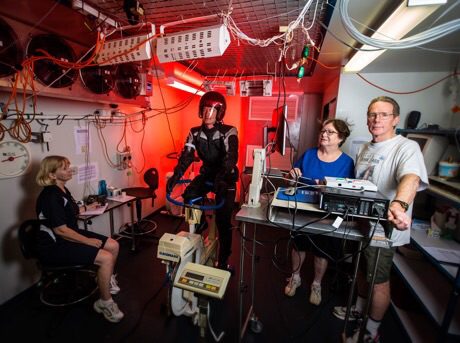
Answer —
(194, 276)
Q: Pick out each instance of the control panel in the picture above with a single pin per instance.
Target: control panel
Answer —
(203, 279)
(363, 204)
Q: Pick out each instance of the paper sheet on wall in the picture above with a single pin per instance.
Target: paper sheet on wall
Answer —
(87, 172)
(82, 140)
(355, 144)
(445, 255)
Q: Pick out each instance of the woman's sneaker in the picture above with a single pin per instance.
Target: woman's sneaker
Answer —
(110, 311)
(293, 283)
(113, 285)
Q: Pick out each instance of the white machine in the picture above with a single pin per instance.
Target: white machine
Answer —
(185, 255)
(256, 182)
(353, 184)
(175, 248)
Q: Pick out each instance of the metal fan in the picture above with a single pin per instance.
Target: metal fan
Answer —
(128, 80)
(11, 53)
(98, 79)
(46, 71)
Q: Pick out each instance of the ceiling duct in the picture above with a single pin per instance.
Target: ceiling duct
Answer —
(224, 87)
(197, 43)
(256, 88)
(10, 50)
(47, 72)
(99, 80)
(128, 81)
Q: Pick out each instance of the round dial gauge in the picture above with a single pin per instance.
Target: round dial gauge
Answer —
(14, 159)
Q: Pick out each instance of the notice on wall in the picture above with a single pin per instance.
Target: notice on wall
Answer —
(82, 140)
(87, 172)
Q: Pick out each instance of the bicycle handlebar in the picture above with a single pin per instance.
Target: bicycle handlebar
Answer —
(192, 202)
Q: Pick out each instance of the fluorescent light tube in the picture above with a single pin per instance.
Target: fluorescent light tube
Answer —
(398, 24)
(182, 86)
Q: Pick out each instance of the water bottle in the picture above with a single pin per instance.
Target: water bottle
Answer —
(102, 188)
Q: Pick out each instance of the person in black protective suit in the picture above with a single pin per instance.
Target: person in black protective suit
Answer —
(217, 146)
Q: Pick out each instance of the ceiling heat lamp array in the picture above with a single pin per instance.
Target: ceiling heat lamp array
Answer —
(197, 43)
(129, 49)
(10, 50)
(47, 72)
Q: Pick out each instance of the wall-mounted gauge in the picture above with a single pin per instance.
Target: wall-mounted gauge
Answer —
(14, 159)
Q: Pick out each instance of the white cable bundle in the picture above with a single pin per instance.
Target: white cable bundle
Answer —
(405, 43)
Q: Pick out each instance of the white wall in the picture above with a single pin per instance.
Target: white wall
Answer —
(355, 94)
(19, 194)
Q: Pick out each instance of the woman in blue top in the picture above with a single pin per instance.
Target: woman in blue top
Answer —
(316, 163)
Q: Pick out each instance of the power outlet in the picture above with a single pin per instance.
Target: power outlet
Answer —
(124, 160)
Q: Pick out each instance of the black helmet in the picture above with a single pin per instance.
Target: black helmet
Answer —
(215, 99)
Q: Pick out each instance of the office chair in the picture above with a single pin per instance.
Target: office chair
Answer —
(58, 286)
(143, 226)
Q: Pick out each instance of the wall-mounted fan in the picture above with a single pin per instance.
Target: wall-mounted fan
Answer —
(128, 80)
(11, 53)
(98, 79)
(46, 71)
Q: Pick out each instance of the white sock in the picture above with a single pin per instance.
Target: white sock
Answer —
(106, 302)
(316, 284)
(295, 276)
(360, 303)
(372, 326)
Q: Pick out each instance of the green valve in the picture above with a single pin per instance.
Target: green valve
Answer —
(305, 51)
(301, 72)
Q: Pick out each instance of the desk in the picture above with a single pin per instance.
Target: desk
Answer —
(280, 218)
(111, 206)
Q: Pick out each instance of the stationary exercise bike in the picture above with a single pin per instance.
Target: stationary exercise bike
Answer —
(189, 258)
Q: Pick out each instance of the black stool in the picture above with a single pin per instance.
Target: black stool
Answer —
(143, 226)
(59, 286)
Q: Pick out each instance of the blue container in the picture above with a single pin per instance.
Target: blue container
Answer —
(102, 188)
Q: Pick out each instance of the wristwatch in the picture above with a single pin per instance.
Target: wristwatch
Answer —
(403, 204)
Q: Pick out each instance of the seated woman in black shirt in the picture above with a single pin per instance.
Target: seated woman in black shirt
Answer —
(61, 242)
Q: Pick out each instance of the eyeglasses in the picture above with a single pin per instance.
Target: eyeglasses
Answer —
(382, 115)
(327, 132)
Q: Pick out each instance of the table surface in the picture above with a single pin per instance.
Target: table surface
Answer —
(112, 204)
(285, 219)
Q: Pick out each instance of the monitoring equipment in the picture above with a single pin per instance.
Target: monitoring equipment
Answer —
(363, 204)
(197, 43)
(347, 183)
(298, 194)
(306, 200)
(432, 147)
(256, 182)
(256, 88)
(175, 247)
(202, 279)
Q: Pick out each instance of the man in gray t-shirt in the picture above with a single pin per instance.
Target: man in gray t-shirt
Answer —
(395, 164)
